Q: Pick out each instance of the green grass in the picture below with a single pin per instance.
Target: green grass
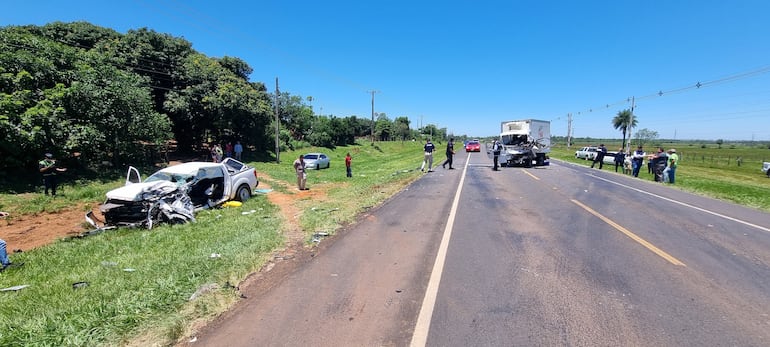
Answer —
(378, 172)
(710, 171)
(169, 262)
(150, 304)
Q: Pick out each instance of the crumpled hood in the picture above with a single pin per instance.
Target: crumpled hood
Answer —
(133, 192)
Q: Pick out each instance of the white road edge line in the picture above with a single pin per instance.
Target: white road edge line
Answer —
(685, 204)
(420, 335)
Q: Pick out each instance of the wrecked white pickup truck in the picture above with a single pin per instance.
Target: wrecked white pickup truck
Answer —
(173, 194)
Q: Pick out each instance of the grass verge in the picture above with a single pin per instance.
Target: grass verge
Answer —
(744, 185)
(137, 284)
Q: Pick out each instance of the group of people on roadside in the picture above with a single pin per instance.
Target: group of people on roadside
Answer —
(218, 153)
(662, 164)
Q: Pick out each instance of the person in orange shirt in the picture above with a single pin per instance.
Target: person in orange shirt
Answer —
(347, 165)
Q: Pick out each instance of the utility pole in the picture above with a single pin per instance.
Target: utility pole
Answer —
(630, 126)
(277, 125)
(372, 129)
(569, 130)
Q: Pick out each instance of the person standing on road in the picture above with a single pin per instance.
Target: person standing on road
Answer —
(672, 161)
(428, 156)
(299, 169)
(620, 157)
(600, 152)
(495, 154)
(348, 159)
(49, 168)
(658, 161)
(637, 161)
(450, 152)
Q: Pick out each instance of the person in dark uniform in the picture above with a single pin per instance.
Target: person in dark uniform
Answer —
(49, 168)
(600, 152)
(428, 156)
(620, 157)
(659, 162)
(495, 153)
(450, 152)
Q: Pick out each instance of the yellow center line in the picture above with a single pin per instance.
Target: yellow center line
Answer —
(531, 175)
(633, 236)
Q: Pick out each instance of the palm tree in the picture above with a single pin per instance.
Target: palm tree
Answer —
(623, 121)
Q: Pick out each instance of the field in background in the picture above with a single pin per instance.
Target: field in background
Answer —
(731, 173)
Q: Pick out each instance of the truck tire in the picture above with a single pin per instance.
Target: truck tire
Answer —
(243, 193)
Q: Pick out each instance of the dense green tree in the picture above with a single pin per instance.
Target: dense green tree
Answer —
(237, 66)
(110, 114)
(383, 127)
(321, 133)
(83, 91)
(401, 128)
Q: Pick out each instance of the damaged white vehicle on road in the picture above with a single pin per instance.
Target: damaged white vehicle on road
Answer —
(173, 194)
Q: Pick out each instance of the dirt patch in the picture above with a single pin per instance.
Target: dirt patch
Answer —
(31, 231)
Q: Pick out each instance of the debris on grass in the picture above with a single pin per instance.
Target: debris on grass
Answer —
(317, 236)
(203, 290)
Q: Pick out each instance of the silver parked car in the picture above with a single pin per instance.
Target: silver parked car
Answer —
(316, 161)
(587, 153)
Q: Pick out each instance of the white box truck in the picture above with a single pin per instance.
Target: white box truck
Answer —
(525, 142)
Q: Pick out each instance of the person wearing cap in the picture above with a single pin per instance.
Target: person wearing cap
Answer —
(49, 168)
(669, 172)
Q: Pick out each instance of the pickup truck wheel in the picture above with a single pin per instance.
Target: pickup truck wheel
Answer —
(243, 194)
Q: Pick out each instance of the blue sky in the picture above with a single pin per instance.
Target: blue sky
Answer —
(468, 65)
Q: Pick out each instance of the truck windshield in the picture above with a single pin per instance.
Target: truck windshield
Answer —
(512, 140)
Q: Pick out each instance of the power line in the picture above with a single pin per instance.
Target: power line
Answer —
(696, 86)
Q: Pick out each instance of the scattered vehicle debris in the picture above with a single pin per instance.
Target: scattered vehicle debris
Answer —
(317, 236)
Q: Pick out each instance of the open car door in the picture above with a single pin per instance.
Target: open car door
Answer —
(133, 176)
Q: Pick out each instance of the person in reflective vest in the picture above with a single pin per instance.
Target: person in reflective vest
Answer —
(49, 168)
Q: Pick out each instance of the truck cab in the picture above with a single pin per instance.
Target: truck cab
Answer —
(525, 142)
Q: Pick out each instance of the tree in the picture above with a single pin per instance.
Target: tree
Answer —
(109, 114)
(237, 66)
(645, 135)
(719, 142)
(383, 127)
(401, 125)
(624, 121)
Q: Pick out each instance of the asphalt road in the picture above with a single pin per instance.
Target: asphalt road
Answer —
(562, 255)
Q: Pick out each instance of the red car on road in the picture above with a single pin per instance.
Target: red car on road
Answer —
(473, 146)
